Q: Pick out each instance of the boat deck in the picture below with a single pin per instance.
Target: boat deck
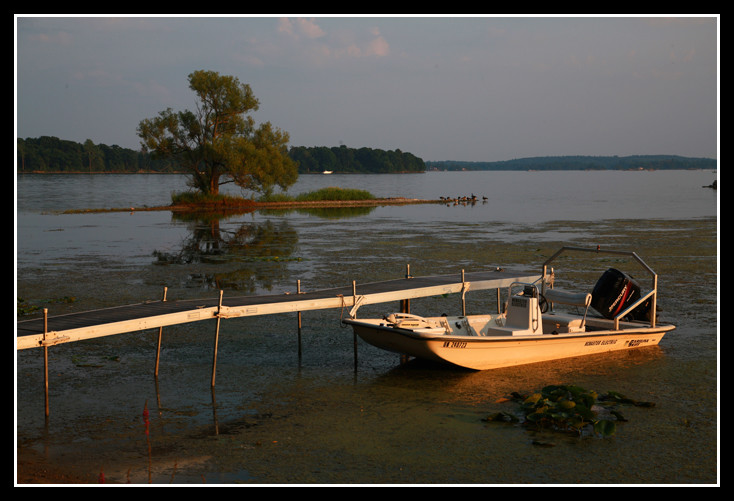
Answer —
(156, 314)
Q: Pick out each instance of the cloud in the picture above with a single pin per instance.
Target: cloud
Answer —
(315, 41)
(300, 27)
(406, 80)
(377, 46)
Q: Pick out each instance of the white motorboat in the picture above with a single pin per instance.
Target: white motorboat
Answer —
(529, 329)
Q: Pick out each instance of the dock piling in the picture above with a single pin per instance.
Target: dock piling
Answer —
(298, 291)
(354, 314)
(160, 337)
(463, 294)
(216, 338)
(45, 359)
(405, 303)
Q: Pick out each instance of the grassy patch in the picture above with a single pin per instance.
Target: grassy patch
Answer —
(324, 194)
(334, 193)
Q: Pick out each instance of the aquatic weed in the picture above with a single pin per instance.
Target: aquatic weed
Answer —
(26, 308)
(568, 408)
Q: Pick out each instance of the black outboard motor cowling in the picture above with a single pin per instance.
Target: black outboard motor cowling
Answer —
(614, 292)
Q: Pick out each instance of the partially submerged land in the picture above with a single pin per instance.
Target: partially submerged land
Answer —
(325, 197)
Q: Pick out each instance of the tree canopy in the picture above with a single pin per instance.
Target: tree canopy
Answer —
(219, 142)
(343, 159)
(51, 154)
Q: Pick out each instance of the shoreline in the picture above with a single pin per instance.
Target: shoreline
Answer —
(252, 206)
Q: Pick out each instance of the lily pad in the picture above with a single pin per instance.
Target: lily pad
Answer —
(568, 408)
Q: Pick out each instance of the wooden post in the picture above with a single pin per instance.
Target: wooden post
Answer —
(160, 337)
(45, 359)
(216, 340)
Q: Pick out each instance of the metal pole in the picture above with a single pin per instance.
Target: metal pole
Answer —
(405, 303)
(45, 359)
(160, 337)
(463, 295)
(654, 308)
(354, 334)
(216, 339)
(298, 291)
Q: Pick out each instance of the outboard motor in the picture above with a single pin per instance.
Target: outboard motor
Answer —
(614, 292)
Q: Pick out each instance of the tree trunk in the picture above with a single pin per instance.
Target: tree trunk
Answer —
(214, 182)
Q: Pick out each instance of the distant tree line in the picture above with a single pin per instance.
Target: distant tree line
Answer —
(317, 159)
(635, 162)
(51, 154)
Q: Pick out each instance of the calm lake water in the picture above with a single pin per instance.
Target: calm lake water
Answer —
(277, 418)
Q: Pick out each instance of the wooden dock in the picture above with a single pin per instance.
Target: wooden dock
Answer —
(49, 331)
(44, 332)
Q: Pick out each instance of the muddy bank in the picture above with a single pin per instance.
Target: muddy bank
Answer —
(33, 468)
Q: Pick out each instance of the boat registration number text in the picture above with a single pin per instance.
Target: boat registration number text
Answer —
(454, 344)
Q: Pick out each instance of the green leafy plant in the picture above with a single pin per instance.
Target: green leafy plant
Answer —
(24, 308)
(568, 408)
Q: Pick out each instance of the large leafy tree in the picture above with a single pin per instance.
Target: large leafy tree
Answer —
(219, 142)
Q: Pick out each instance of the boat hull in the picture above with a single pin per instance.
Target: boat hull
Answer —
(497, 351)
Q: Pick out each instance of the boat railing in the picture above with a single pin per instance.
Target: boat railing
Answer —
(652, 294)
(634, 305)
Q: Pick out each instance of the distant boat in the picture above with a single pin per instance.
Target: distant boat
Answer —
(328, 172)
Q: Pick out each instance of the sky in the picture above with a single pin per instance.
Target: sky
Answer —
(466, 88)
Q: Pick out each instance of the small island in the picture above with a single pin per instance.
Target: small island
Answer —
(325, 197)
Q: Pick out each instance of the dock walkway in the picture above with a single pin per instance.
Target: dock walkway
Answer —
(36, 333)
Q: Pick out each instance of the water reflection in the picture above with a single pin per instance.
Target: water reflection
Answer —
(456, 385)
(221, 251)
(242, 256)
(323, 212)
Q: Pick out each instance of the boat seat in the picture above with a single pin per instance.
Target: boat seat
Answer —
(570, 298)
(581, 299)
